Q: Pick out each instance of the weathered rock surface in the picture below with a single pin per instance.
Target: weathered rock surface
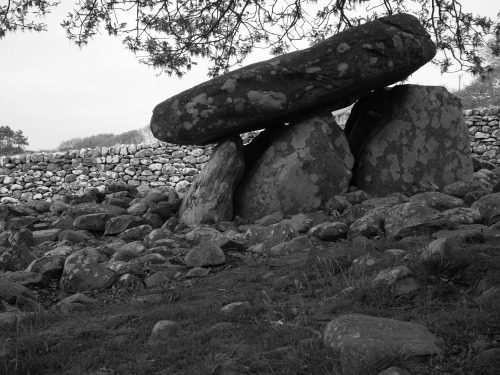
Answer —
(334, 73)
(209, 198)
(405, 136)
(307, 163)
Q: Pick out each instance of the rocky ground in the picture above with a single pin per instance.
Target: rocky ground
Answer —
(111, 284)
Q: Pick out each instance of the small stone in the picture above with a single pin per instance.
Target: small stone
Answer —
(394, 371)
(27, 304)
(163, 331)
(198, 272)
(389, 276)
(236, 308)
(206, 253)
(329, 231)
(157, 279)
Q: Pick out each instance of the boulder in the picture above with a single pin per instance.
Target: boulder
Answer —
(95, 222)
(438, 201)
(121, 223)
(210, 197)
(406, 214)
(407, 136)
(81, 273)
(40, 236)
(363, 339)
(307, 163)
(371, 224)
(205, 254)
(9, 291)
(334, 73)
(271, 235)
(94, 208)
(489, 208)
(16, 258)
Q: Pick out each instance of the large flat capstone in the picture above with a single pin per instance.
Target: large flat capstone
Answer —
(333, 73)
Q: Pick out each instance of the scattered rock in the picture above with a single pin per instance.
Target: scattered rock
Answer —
(205, 254)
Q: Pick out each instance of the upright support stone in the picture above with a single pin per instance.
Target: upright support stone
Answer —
(408, 136)
(307, 163)
(333, 73)
(210, 196)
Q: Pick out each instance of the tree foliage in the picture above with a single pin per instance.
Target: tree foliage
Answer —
(484, 91)
(12, 142)
(173, 35)
(105, 140)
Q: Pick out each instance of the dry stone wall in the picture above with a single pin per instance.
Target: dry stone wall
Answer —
(484, 132)
(49, 176)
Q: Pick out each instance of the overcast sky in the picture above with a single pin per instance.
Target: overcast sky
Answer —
(53, 91)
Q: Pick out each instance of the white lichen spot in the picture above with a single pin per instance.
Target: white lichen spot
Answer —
(175, 108)
(314, 177)
(380, 45)
(343, 47)
(229, 86)
(274, 62)
(229, 100)
(390, 64)
(187, 125)
(373, 60)
(267, 100)
(398, 43)
(313, 69)
(367, 46)
(309, 88)
(356, 335)
(342, 67)
(273, 72)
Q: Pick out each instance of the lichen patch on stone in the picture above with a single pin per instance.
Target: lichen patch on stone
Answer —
(239, 104)
(267, 101)
(398, 43)
(313, 69)
(342, 67)
(229, 86)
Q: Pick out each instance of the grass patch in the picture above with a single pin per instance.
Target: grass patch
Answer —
(279, 334)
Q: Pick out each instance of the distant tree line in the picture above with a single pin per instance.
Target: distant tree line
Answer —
(482, 92)
(11, 141)
(107, 139)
